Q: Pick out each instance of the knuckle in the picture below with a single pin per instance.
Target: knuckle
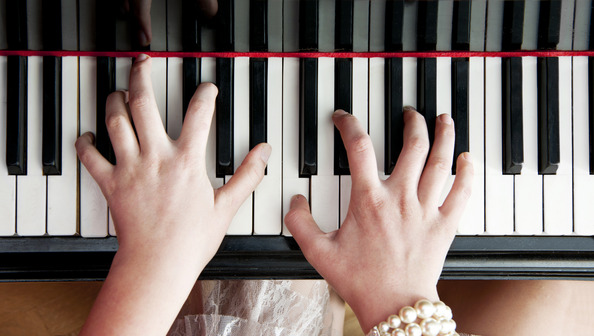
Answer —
(441, 164)
(140, 101)
(360, 143)
(115, 120)
(418, 143)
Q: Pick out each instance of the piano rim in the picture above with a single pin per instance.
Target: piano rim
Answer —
(279, 257)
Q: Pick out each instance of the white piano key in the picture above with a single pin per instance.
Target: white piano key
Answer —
(242, 222)
(581, 26)
(267, 197)
(159, 25)
(531, 12)
(528, 185)
(242, 25)
(361, 25)
(159, 78)
(93, 207)
(377, 111)
(444, 102)
(499, 188)
(325, 203)
(208, 75)
(7, 182)
(34, 25)
(473, 219)
(275, 26)
(292, 183)
(123, 65)
(87, 36)
(3, 42)
(494, 23)
(566, 25)
(583, 188)
(360, 111)
(61, 189)
(290, 25)
(207, 38)
(174, 96)
(69, 25)
(409, 25)
(409, 81)
(31, 188)
(478, 10)
(326, 25)
(558, 193)
(174, 26)
(124, 33)
(445, 12)
(377, 25)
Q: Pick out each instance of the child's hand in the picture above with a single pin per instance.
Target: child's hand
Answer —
(169, 220)
(390, 250)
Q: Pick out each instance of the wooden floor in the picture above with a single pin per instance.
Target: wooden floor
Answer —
(60, 309)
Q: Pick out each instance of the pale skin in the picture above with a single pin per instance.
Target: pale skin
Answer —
(170, 221)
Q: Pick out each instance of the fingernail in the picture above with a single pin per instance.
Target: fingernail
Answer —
(408, 108)
(339, 113)
(265, 152)
(446, 119)
(294, 200)
(466, 156)
(143, 39)
(141, 58)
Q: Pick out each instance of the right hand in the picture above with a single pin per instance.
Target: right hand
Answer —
(390, 250)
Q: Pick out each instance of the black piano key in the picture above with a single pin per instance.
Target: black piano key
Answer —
(224, 117)
(16, 117)
(259, 25)
(591, 38)
(258, 101)
(106, 24)
(191, 79)
(16, 24)
(225, 28)
(427, 25)
(105, 86)
(591, 110)
(427, 92)
(308, 118)
(513, 25)
(52, 115)
(52, 24)
(394, 123)
(549, 24)
(548, 115)
(308, 25)
(191, 37)
(343, 99)
(513, 144)
(460, 77)
(461, 25)
(344, 25)
(394, 22)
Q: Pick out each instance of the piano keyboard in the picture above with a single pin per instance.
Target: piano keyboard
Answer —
(526, 120)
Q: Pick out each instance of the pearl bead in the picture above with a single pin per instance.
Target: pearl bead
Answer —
(430, 327)
(394, 321)
(448, 313)
(383, 327)
(447, 326)
(374, 332)
(408, 314)
(440, 308)
(424, 309)
(398, 332)
(413, 329)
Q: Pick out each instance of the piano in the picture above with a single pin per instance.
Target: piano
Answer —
(514, 75)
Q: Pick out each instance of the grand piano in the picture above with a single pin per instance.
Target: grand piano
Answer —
(516, 76)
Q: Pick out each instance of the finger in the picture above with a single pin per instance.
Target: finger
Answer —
(455, 202)
(439, 164)
(245, 180)
(362, 161)
(208, 8)
(142, 12)
(99, 168)
(143, 106)
(194, 133)
(120, 128)
(411, 161)
(303, 227)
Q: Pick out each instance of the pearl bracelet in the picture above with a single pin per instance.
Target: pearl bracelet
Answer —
(425, 319)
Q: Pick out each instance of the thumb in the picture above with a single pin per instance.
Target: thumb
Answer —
(304, 228)
(245, 180)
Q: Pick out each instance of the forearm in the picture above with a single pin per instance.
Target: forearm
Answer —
(142, 294)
